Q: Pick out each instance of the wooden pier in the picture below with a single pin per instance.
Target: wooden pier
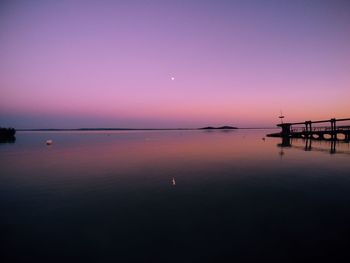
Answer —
(333, 130)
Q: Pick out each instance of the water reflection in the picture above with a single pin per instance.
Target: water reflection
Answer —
(102, 196)
(330, 146)
(8, 140)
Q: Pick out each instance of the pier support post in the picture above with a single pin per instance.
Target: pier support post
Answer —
(285, 129)
(308, 146)
(308, 129)
(333, 129)
(333, 147)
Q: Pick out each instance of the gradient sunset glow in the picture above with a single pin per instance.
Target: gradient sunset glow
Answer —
(169, 64)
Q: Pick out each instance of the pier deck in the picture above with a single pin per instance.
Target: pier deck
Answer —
(307, 129)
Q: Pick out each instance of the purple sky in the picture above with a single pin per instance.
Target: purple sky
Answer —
(70, 64)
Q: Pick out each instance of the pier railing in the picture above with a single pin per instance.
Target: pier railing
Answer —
(307, 129)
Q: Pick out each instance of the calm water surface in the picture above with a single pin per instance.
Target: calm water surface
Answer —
(173, 196)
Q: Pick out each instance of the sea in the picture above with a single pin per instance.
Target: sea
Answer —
(173, 196)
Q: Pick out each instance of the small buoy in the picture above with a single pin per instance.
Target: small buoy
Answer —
(173, 181)
(263, 139)
(49, 142)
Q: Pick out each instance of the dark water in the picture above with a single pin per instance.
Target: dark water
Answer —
(173, 196)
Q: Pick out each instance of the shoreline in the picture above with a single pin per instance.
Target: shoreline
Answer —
(139, 129)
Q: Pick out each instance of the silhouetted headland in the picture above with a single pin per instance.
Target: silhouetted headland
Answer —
(7, 134)
(219, 128)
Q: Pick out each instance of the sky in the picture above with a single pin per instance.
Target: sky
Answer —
(170, 64)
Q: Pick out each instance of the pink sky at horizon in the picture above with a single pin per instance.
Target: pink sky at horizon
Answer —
(110, 63)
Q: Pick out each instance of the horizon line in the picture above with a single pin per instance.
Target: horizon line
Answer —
(127, 129)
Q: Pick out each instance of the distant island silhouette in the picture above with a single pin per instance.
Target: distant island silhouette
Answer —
(219, 128)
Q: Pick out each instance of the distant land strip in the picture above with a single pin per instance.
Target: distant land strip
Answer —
(144, 129)
(109, 129)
